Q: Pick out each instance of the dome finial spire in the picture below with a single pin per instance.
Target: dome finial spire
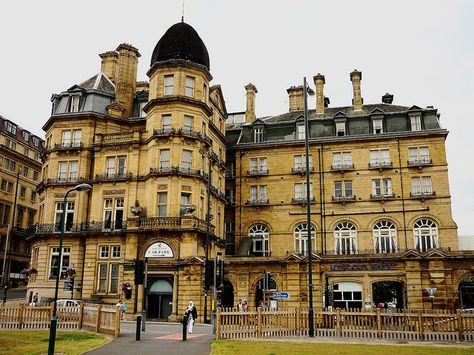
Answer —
(182, 13)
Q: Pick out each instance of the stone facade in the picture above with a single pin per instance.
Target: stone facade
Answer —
(20, 170)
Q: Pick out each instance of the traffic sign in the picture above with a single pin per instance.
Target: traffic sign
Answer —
(281, 295)
(68, 285)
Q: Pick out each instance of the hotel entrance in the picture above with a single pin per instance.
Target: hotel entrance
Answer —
(159, 298)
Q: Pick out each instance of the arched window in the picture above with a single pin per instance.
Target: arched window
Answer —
(385, 237)
(259, 234)
(425, 232)
(301, 238)
(345, 238)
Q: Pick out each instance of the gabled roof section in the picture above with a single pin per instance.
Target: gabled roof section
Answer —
(293, 257)
(436, 253)
(99, 82)
(411, 254)
(376, 111)
(414, 108)
(194, 260)
(220, 104)
(340, 114)
(258, 121)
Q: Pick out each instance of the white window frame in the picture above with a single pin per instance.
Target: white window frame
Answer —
(70, 207)
(421, 186)
(113, 213)
(187, 159)
(342, 160)
(380, 157)
(164, 159)
(258, 194)
(382, 187)
(301, 238)
(258, 134)
(415, 122)
(425, 232)
(385, 237)
(74, 104)
(345, 238)
(168, 85)
(419, 155)
(68, 170)
(300, 162)
(188, 123)
(189, 86)
(11, 128)
(300, 191)
(300, 131)
(259, 233)
(162, 204)
(166, 123)
(340, 129)
(377, 125)
(345, 187)
(62, 267)
(115, 166)
(258, 165)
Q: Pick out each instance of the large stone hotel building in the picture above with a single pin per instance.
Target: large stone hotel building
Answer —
(170, 169)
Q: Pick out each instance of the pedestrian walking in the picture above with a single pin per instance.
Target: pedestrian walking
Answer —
(123, 308)
(34, 301)
(191, 314)
(240, 305)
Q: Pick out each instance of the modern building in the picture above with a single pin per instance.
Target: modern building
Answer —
(154, 153)
(20, 169)
(160, 154)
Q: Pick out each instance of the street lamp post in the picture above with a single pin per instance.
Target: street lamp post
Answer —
(54, 319)
(308, 214)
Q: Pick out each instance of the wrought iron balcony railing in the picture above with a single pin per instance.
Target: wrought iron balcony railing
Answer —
(93, 226)
(114, 177)
(422, 194)
(258, 202)
(342, 167)
(378, 197)
(301, 169)
(302, 200)
(380, 164)
(419, 162)
(344, 199)
(258, 172)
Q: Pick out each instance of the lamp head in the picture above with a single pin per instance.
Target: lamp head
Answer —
(83, 187)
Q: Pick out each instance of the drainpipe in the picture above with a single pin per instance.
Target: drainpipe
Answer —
(403, 196)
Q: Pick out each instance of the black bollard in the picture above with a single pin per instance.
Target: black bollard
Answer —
(185, 326)
(139, 325)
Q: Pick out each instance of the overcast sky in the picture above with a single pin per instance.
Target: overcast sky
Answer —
(422, 52)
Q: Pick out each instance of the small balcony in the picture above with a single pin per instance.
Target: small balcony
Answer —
(258, 202)
(342, 167)
(301, 169)
(419, 163)
(382, 197)
(258, 172)
(60, 181)
(422, 195)
(83, 227)
(178, 170)
(381, 165)
(68, 146)
(113, 177)
(302, 200)
(343, 199)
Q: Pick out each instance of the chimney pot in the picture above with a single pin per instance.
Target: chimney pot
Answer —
(387, 98)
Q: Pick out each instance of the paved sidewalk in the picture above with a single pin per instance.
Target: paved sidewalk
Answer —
(162, 337)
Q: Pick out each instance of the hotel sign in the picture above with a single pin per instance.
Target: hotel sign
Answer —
(159, 250)
(362, 267)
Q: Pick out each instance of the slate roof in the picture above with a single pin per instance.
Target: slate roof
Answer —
(99, 82)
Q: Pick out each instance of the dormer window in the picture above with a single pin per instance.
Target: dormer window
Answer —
(415, 121)
(169, 84)
(140, 107)
(11, 128)
(36, 141)
(340, 128)
(26, 136)
(74, 104)
(258, 134)
(377, 125)
(300, 131)
(189, 91)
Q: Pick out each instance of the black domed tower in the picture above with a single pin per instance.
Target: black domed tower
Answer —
(181, 41)
(179, 79)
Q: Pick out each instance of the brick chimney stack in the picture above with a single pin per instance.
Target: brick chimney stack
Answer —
(319, 82)
(357, 101)
(296, 99)
(250, 110)
(109, 65)
(126, 84)
(387, 98)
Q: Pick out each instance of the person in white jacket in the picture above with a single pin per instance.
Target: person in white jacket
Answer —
(191, 313)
